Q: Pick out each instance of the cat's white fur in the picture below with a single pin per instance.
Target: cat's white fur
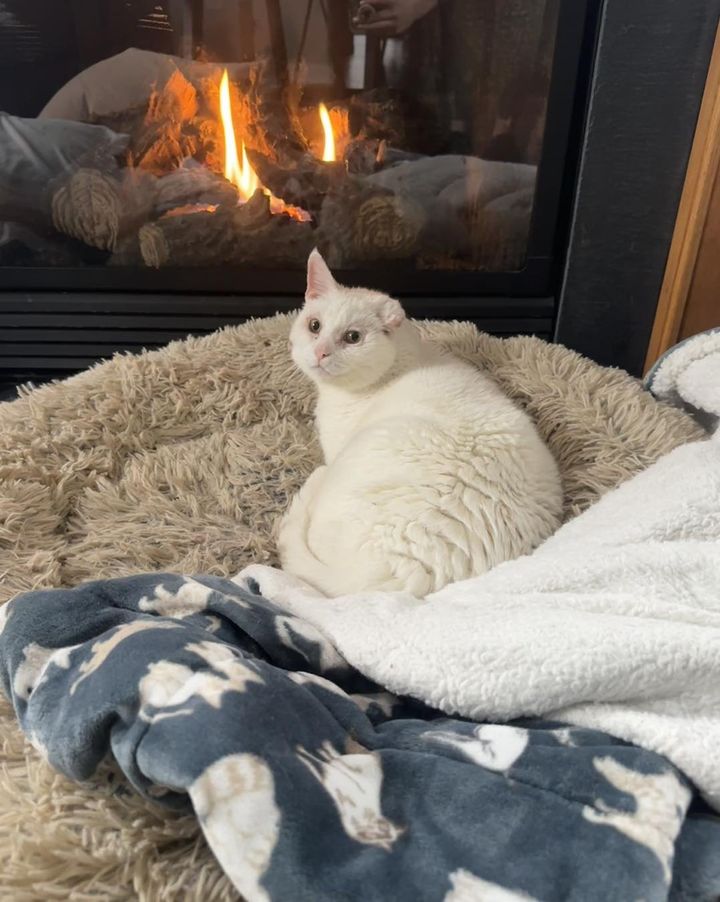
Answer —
(431, 474)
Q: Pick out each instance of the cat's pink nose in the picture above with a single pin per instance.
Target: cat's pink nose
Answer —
(321, 354)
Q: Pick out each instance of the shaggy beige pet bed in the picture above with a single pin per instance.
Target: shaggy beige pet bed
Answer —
(181, 459)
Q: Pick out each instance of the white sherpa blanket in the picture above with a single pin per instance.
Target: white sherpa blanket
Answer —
(613, 623)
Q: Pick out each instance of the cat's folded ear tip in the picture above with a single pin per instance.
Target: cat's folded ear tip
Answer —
(392, 314)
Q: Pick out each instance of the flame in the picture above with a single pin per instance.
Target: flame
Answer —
(249, 182)
(241, 174)
(329, 151)
(238, 169)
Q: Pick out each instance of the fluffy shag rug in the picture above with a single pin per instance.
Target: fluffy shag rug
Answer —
(182, 459)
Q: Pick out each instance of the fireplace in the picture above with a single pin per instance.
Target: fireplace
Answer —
(165, 168)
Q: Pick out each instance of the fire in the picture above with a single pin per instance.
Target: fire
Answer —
(249, 182)
(238, 169)
(329, 151)
(241, 174)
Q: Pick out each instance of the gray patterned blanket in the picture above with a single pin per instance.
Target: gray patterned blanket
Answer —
(312, 783)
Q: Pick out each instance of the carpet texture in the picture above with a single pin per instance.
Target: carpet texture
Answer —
(181, 460)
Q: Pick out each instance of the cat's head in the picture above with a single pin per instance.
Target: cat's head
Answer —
(344, 336)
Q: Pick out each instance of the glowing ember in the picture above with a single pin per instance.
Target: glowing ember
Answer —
(237, 167)
(329, 151)
(188, 209)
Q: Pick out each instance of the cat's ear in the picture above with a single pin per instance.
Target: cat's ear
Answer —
(320, 280)
(392, 314)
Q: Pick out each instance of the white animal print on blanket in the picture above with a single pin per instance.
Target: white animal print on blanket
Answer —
(661, 799)
(4, 614)
(104, 647)
(34, 665)
(354, 783)
(565, 737)
(168, 684)
(328, 655)
(160, 687)
(466, 887)
(492, 745)
(235, 801)
(190, 598)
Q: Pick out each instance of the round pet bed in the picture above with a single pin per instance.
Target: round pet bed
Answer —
(182, 459)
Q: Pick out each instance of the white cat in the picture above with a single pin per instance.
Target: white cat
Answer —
(431, 474)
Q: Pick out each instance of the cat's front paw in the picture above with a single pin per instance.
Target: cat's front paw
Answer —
(271, 583)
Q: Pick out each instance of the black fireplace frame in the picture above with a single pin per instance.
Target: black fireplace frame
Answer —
(615, 206)
(648, 82)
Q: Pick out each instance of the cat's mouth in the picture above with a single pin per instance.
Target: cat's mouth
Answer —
(320, 368)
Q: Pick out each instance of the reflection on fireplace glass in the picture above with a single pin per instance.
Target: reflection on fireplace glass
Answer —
(246, 132)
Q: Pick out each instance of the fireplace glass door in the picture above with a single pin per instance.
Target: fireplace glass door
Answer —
(211, 144)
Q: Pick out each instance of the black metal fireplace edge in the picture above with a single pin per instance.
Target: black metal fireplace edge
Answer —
(40, 336)
(650, 71)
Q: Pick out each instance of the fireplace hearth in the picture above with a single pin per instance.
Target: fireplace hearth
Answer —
(165, 168)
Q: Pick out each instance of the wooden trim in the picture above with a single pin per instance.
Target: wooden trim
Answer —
(702, 310)
(639, 118)
(692, 215)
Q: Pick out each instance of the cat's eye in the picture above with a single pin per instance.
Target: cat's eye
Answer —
(314, 326)
(351, 337)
